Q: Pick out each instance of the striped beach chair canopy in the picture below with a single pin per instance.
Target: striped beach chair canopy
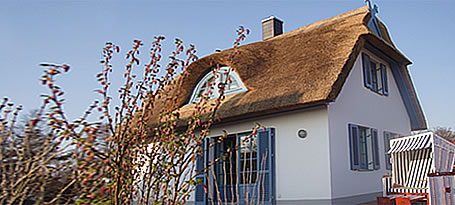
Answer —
(414, 157)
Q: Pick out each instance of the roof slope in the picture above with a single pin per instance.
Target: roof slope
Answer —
(310, 65)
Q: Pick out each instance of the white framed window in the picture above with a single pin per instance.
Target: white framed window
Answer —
(375, 75)
(209, 85)
(364, 148)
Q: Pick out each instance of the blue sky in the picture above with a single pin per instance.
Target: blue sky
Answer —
(74, 32)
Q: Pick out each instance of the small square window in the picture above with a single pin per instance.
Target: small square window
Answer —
(364, 148)
(375, 75)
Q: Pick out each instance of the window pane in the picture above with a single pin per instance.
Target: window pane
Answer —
(248, 161)
(248, 178)
(374, 75)
(207, 90)
(363, 147)
(227, 179)
(385, 86)
(379, 80)
(209, 86)
(248, 165)
(248, 144)
(370, 148)
(238, 160)
(226, 170)
(375, 145)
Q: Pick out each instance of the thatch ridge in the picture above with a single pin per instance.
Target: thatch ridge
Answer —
(300, 68)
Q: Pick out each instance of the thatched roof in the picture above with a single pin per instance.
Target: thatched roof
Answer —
(300, 68)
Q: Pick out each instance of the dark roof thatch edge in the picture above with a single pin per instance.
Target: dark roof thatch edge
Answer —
(255, 115)
(269, 112)
(414, 98)
(338, 85)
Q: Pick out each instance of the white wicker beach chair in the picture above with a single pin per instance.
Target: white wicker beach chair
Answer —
(422, 169)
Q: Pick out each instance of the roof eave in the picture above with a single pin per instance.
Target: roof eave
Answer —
(273, 112)
(393, 54)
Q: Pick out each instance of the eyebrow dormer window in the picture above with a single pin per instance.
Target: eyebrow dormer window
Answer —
(209, 86)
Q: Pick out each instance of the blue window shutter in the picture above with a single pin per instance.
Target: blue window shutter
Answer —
(385, 85)
(376, 162)
(200, 193)
(388, 166)
(367, 71)
(354, 146)
(266, 166)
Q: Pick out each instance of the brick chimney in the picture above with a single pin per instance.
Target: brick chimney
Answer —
(271, 27)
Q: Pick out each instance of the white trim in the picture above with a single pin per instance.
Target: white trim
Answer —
(271, 18)
(240, 87)
(199, 86)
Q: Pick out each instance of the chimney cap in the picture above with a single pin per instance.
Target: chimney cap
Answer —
(271, 27)
(271, 18)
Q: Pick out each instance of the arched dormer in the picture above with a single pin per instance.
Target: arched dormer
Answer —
(209, 84)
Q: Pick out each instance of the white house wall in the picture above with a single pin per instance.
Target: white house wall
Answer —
(358, 105)
(302, 165)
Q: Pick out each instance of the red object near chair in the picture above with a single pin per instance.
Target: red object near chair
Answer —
(383, 200)
(402, 201)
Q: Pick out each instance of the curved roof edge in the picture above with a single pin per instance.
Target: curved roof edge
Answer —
(310, 64)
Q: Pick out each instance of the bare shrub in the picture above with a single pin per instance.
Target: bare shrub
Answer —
(122, 158)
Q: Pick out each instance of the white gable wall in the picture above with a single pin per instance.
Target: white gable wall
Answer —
(317, 168)
(302, 165)
(358, 105)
